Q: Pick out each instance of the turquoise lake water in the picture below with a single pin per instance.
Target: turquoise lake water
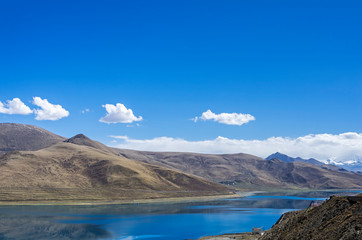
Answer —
(162, 221)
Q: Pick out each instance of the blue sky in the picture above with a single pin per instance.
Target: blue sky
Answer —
(296, 67)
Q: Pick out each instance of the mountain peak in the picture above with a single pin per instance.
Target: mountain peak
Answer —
(280, 156)
(81, 139)
(78, 136)
(286, 158)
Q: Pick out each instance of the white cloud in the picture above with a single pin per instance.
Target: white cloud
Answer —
(341, 147)
(48, 111)
(85, 110)
(226, 118)
(119, 137)
(15, 106)
(133, 125)
(119, 114)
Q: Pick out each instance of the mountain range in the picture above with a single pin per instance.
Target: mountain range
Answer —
(81, 169)
(37, 165)
(250, 172)
(354, 165)
(286, 158)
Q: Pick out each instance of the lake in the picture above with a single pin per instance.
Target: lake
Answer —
(159, 221)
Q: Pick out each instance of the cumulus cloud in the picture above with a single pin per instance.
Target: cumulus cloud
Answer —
(15, 106)
(48, 111)
(119, 114)
(226, 118)
(341, 147)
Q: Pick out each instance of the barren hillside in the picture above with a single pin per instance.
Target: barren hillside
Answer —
(66, 171)
(248, 171)
(23, 137)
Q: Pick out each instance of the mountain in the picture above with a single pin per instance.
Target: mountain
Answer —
(355, 164)
(81, 139)
(237, 169)
(286, 158)
(248, 171)
(337, 218)
(23, 137)
(81, 168)
(71, 172)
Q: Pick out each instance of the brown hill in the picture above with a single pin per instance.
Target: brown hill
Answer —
(239, 170)
(23, 137)
(248, 171)
(67, 171)
(81, 139)
(337, 218)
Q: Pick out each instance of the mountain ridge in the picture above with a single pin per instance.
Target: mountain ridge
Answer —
(286, 158)
(23, 137)
(93, 169)
(354, 166)
(67, 171)
(81, 139)
(248, 171)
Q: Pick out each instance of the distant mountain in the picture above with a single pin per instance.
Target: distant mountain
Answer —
(248, 171)
(355, 164)
(286, 158)
(23, 137)
(330, 165)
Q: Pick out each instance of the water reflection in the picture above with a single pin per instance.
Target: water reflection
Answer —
(140, 237)
(159, 221)
(46, 227)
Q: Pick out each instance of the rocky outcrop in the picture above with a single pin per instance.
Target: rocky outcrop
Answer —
(337, 218)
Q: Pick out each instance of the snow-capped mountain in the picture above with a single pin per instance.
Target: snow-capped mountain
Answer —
(355, 164)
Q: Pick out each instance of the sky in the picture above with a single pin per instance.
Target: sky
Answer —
(202, 76)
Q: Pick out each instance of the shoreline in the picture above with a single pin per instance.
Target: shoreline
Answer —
(234, 236)
(126, 201)
(150, 201)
